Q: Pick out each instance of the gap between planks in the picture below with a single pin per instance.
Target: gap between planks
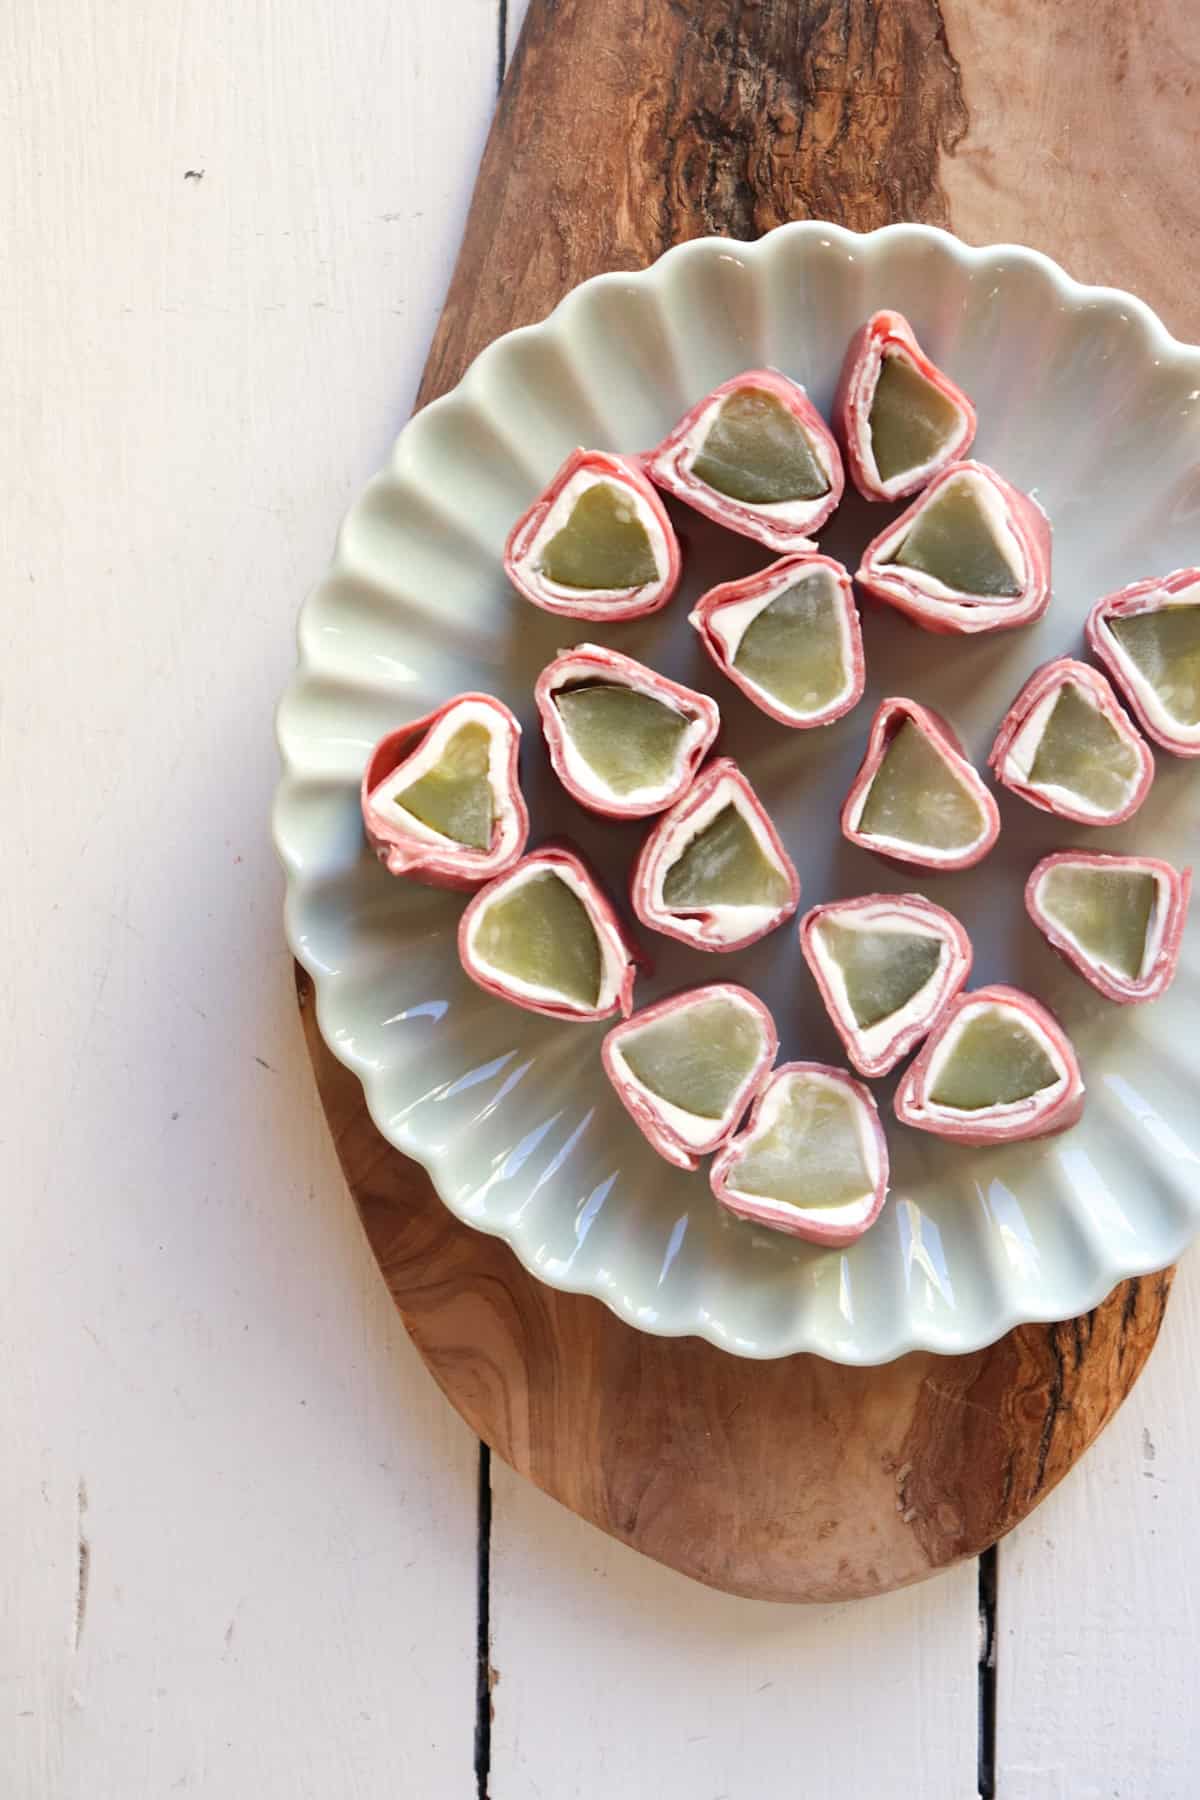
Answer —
(502, 44)
(483, 1616)
(989, 1580)
(483, 1629)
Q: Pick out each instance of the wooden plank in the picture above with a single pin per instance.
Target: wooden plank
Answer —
(1081, 152)
(615, 1676)
(1099, 1598)
(240, 1522)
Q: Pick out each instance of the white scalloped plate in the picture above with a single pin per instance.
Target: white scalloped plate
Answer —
(1084, 399)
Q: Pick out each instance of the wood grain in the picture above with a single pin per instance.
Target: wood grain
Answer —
(1081, 140)
(209, 1407)
(730, 117)
(794, 1479)
(1100, 1593)
(798, 1479)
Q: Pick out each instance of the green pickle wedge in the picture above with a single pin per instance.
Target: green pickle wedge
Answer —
(916, 798)
(1108, 912)
(697, 1057)
(1083, 752)
(882, 970)
(793, 648)
(996, 1060)
(602, 545)
(910, 420)
(541, 933)
(811, 1156)
(1164, 647)
(455, 796)
(757, 451)
(630, 739)
(951, 540)
(724, 865)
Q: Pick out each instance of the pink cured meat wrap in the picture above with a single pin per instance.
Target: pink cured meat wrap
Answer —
(1164, 935)
(595, 663)
(946, 610)
(725, 613)
(620, 954)
(1057, 1108)
(659, 1122)
(535, 527)
(719, 785)
(877, 1048)
(845, 1225)
(1179, 736)
(428, 857)
(889, 333)
(1014, 752)
(781, 525)
(889, 717)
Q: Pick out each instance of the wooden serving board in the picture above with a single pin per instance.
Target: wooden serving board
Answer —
(623, 127)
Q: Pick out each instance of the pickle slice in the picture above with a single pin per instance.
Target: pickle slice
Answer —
(882, 970)
(793, 648)
(1107, 911)
(916, 798)
(542, 934)
(911, 419)
(455, 796)
(630, 739)
(812, 1155)
(952, 540)
(724, 865)
(697, 1057)
(602, 545)
(757, 450)
(996, 1060)
(1082, 751)
(1164, 647)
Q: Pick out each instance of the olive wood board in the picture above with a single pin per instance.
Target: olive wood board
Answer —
(623, 127)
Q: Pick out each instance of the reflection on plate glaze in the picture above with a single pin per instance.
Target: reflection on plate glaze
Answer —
(553, 1167)
(506, 1087)
(416, 608)
(845, 1289)
(473, 1077)
(921, 1244)
(1162, 1136)
(447, 1090)
(425, 1009)
(587, 1212)
(713, 1327)
(1012, 1229)
(506, 1167)
(674, 1245)
(1082, 1173)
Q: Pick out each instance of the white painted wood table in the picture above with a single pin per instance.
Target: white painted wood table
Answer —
(240, 1529)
